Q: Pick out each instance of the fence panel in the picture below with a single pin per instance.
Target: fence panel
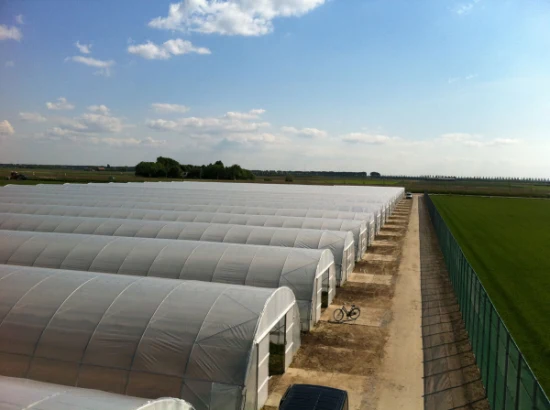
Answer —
(508, 380)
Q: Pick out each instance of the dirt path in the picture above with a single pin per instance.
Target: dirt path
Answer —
(350, 356)
(400, 385)
(451, 377)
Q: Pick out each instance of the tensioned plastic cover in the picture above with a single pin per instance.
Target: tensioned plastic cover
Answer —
(373, 195)
(289, 201)
(335, 241)
(145, 337)
(34, 197)
(24, 394)
(251, 265)
(357, 228)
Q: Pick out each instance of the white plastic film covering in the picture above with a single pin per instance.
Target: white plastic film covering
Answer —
(280, 201)
(24, 394)
(359, 229)
(251, 265)
(144, 337)
(338, 243)
(34, 198)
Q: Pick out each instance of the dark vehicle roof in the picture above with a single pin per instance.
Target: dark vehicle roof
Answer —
(311, 397)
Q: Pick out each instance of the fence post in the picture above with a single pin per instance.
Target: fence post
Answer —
(483, 334)
(496, 366)
(506, 369)
(518, 385)
(489, 342)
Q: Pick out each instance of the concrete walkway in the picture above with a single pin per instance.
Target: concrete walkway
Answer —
(400, 385)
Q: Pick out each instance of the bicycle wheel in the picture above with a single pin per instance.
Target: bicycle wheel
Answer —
(338, 315)
(355, 313)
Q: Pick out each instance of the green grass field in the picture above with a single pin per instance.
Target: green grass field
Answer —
(507, 242)
(480, 187)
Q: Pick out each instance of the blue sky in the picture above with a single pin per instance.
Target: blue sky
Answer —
(400, 87)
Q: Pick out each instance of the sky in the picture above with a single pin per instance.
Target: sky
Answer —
(438, 87)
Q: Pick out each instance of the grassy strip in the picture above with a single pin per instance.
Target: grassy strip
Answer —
(506, 240)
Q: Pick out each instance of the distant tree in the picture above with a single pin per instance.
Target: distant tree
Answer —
(108, 166)
(375, 174)
(170, 168)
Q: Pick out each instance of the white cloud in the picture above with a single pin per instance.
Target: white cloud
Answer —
(162, 125)
(364, 138)
(166, 50)
(103, 65)
(9, 64)
(505, 141)
(101, 109)
(252, 114)
(100, 123)
(129, 142)
(31, 117)
(19, 19)
(463, 8)
(6, 129)
(264, 137)
(469, 77)
(476, 140)
(232, 17)
(213, 125)
(169, 108)
(459, 137)
(84, 48)
(57, 134)
(61, 104)
(10, 33)
(232, 127)
(305, 132)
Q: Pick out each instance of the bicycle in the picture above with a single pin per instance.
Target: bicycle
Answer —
(341, 313)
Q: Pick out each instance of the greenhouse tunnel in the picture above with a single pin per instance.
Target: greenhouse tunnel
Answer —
(309, 273)
(340, 244)
(35, 198)
(25, 394)
(357, 228)
(206, 343)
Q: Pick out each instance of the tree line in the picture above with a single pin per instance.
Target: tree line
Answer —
(169, 168)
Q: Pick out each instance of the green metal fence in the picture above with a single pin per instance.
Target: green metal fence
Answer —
(508, 380)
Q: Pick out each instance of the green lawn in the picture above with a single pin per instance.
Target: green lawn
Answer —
(507, 241)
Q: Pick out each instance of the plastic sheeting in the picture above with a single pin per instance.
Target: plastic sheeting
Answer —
(358, 229)
(145, 337)
(379, 196)
(340, 244)
(33, 197)
(251, 265)
(23, 394)
(290, 201)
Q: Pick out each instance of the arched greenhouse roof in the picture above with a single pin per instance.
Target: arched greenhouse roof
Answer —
(34, 197)
(251, 265)
(24, 394)
(340, 244)
(367, 194)
(146, 337)
(178, 196)
(358, 229)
